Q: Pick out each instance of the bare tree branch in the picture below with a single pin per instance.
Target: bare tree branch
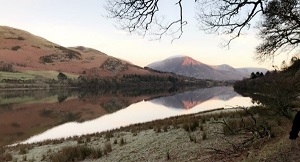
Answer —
(140, 16)
(280, 29)
(229, 17)
(279, 20)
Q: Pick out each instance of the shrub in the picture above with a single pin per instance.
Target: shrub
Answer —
(190, 127)
(157, 129)
(165, 128)
(186, 127)
(36, 46)
(109, 135)
(115, 141)
(15, 48)
(6, 67)
(122, 141)
(107, 148)
(204, 135)
(21, 38)
(76, 153)
(6, 157)
(23, 150)
(61, 98)
(46, 59)
(192, 138)
(46, 113)
(168, 155)
(201, 128)
(230, 126)
(61, 76)
(14, 124)
(24, 158)
(194, 125)
(79, 140)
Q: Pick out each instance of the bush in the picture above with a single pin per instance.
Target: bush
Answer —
(122, 141)
(61, 98)
(6, 157)
(15, 48)
(204, 135)
(46, 59)
(6, 67)
(107, 148)
(61, 76)
(76, 153)
(186, 127)
(16, 125)
(21, 38)
(23, 150)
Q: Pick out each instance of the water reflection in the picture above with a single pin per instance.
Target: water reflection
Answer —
(26, 113)
(191, 99)
(144, 109)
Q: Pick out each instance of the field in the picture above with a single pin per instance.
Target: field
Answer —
(16, 76)
(32, 75)
(49, 74)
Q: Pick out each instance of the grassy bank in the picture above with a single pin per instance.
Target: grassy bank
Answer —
(222, 135)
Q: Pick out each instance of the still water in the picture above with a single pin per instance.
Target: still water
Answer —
(37, 117)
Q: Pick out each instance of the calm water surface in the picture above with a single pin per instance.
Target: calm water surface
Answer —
(40, 118)
(143, 111)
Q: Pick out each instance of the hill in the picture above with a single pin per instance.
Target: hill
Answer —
(23, 51)
(187, 66)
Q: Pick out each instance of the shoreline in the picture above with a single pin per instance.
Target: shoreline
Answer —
(120, 128)
(129, 133)
(191, 137)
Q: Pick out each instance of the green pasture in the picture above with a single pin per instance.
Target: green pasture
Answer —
(16, 76)
(31, 75)
(49, 74)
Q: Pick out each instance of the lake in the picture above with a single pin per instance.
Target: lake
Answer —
(33, 116)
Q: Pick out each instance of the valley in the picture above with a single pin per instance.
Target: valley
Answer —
(46, 89)
(37, 62)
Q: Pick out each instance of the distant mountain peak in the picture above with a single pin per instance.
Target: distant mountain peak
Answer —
(186, 60)
(190, 61)
(187, 66)
(176, 56)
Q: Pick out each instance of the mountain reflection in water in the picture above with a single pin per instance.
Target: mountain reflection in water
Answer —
(191, 99)
(148, 110)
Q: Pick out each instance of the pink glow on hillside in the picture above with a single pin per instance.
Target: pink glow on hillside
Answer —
(190, 61)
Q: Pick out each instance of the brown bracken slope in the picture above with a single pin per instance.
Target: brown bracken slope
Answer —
(26, 51)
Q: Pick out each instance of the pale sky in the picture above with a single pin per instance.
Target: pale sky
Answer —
(83, 23)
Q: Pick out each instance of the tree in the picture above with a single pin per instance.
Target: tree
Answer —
(252, 75)
(61, 76)
(279, 20)
(261, 74)
(280, 28)
(140, 16)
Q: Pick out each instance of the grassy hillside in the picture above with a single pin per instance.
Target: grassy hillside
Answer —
(24, 52)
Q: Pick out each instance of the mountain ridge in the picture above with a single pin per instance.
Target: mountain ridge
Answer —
(190, 67)
(24, 51)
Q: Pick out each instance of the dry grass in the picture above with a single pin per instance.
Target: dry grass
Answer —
(5, 156)
(157, 140)
(76, 153)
